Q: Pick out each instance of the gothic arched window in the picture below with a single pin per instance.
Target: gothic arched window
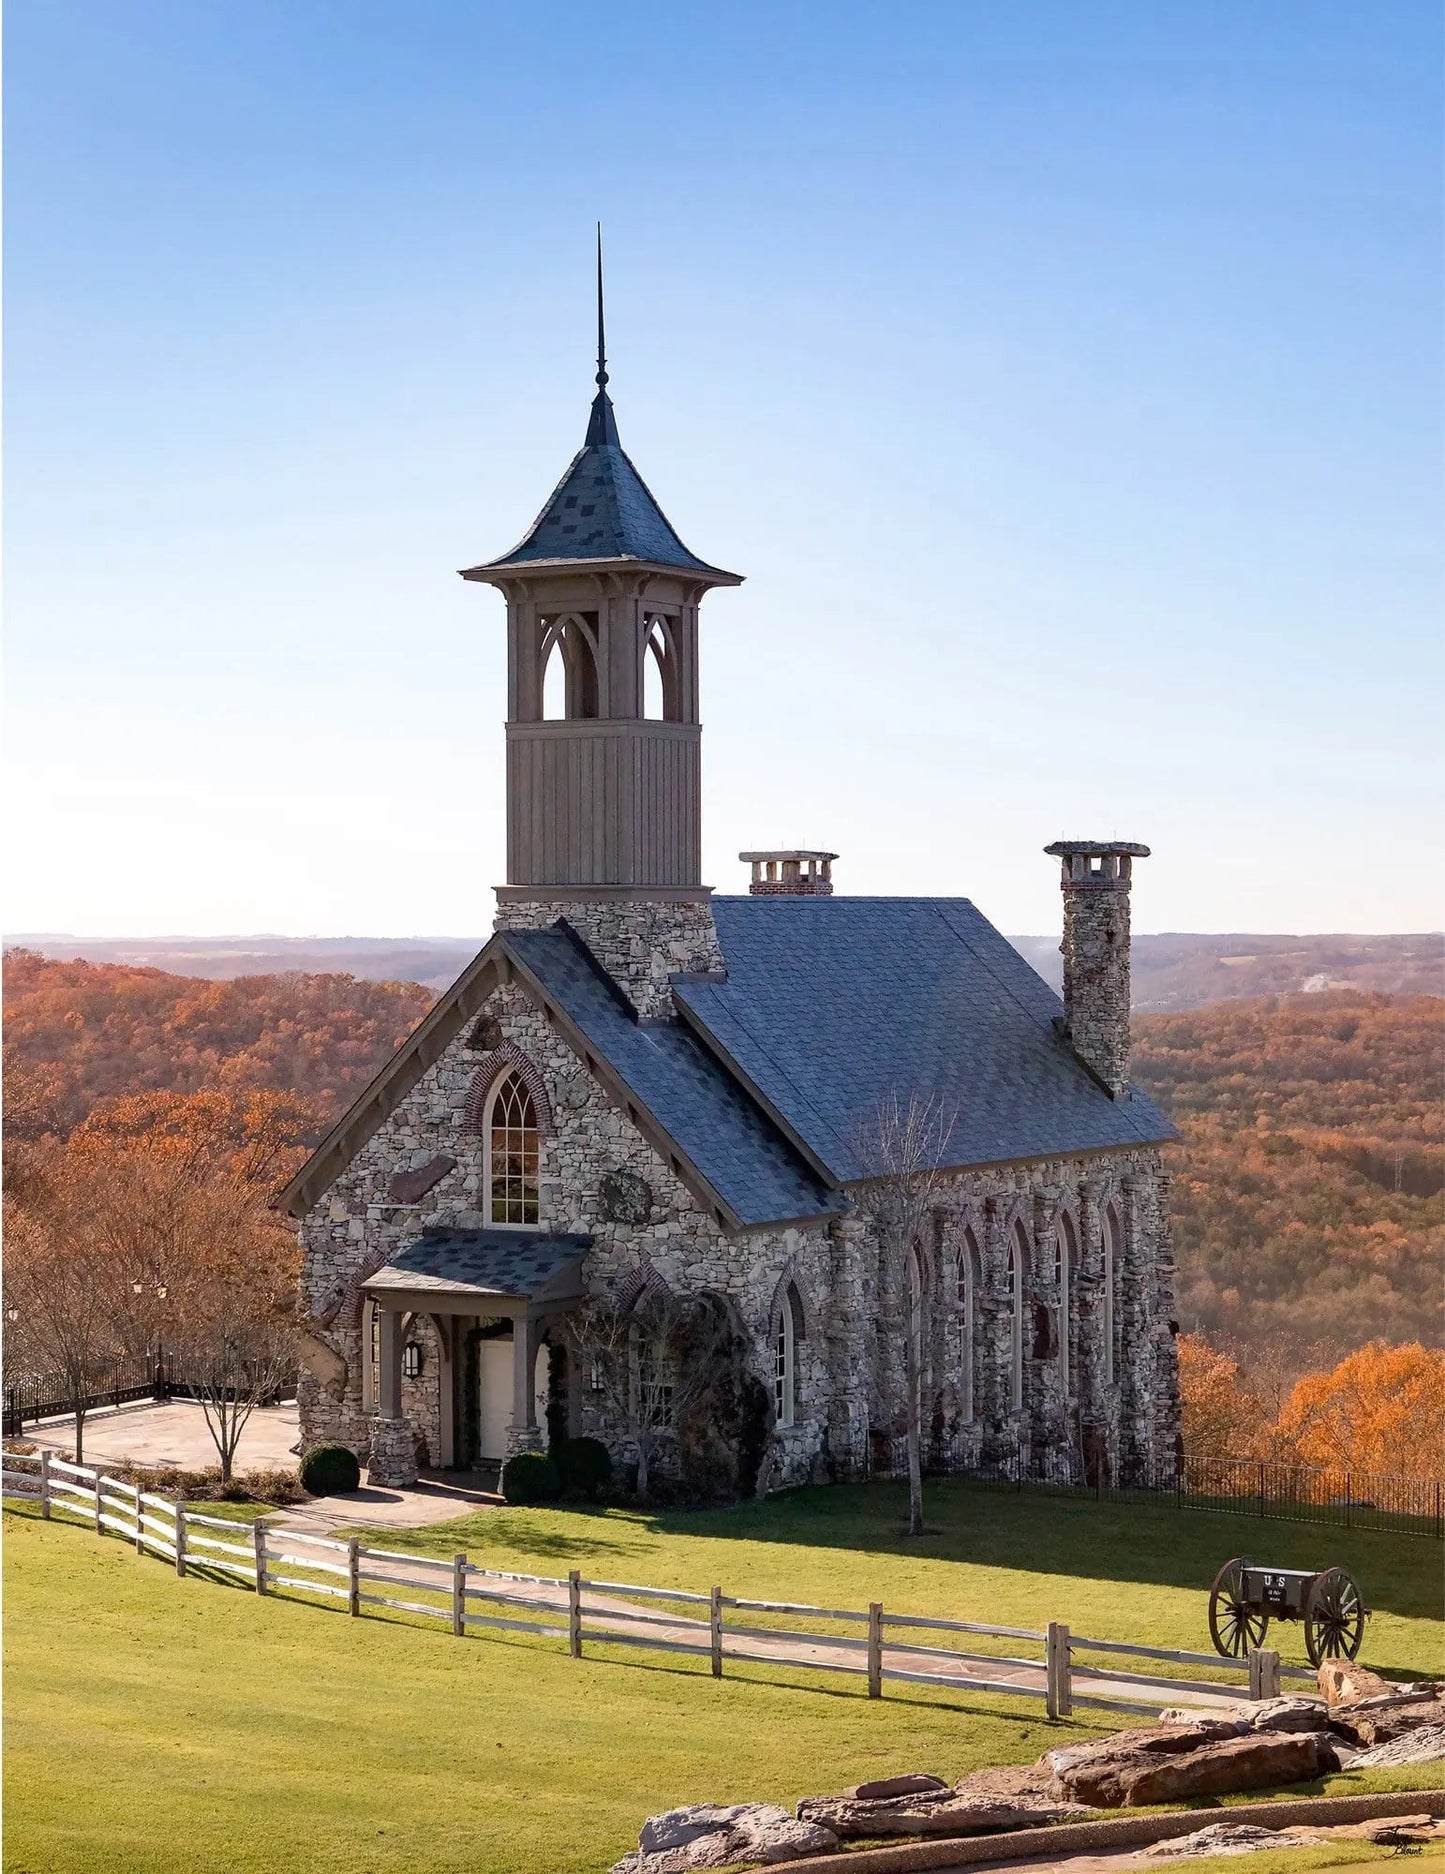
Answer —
(966, 1297)
(1014, 1285)
(915, 1314)
(661, 690)
(787, 1332)
(1066, 1257)
(569, 669)
(512, 1145)
(1113, 1263)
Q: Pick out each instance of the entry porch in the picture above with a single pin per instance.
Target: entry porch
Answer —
(491, 1296)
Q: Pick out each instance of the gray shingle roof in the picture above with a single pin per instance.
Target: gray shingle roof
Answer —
(602, 510)
(491, 1262)
(712, 1120)
(831, 1004)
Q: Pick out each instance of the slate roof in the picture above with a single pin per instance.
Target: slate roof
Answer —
(601, 509)
(488, 1262)
(690, 1094)
(830, 1004)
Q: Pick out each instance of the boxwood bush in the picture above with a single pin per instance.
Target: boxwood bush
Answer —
(530, 1477)
(584, 1465)
(326, 1470)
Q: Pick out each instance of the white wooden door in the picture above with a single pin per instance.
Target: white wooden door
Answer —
(494, 1378)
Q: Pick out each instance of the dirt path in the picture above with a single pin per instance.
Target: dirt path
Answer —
(621, 1620)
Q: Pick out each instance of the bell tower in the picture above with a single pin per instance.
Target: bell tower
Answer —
(604, 734)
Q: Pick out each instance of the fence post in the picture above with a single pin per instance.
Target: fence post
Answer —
(1263, 1674)
(258, 1549)
(574, 1613)
(715, 1630)
(45, 1484)
(459, 1596)
(1058, 1694)
(875, 1649)
(99, 1528)
(140, 1529)
(353, 1576)
(180, 1537)
(1261, 1488)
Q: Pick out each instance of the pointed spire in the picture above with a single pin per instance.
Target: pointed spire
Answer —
(602, 425)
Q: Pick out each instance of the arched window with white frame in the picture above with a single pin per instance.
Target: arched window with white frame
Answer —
(1113, 1263)
(1066, 1260)
(787, 1332)
(1018, 1252)
(513, 1145)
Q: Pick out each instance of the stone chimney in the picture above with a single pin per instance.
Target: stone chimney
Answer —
(791, 874)
(1096, 879)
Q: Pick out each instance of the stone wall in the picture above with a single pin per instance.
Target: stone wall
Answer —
(640, 942)
(849, 1359)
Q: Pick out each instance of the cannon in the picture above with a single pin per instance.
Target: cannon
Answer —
(1247, 1595)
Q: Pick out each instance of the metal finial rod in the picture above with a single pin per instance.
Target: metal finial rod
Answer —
(601, 326)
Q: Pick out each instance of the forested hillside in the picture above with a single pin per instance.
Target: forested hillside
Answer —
(1308, 1188)
(79, 1033)
(1307, 1193)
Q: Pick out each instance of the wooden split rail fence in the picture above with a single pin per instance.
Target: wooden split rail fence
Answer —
(585, 1612)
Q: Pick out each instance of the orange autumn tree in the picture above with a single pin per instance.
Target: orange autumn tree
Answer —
(1381, 1409)
(1221, 1416)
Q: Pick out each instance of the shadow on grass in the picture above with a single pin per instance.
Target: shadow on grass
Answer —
(1153, 1544)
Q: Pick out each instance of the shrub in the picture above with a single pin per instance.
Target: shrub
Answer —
(327, 1470)
(584, 1466)
(530, 1477)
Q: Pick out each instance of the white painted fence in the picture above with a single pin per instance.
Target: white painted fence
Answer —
(584, 1612)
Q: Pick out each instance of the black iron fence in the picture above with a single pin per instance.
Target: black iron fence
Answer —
(1297, 1493)
(31, 1397)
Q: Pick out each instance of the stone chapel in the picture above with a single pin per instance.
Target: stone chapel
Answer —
(640, 1082)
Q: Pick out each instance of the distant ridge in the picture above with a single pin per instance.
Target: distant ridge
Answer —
(1172, 971)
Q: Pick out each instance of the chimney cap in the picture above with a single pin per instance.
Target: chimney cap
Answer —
(792, 852)
(1095, 848)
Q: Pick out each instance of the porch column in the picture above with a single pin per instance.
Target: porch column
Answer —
(524, 1433)
(447, 1326)
(389, 1377)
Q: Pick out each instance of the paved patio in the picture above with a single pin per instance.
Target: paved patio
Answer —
(173, 1433)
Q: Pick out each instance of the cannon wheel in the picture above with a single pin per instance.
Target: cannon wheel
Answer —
(1334, 1617)
(1234, 1626)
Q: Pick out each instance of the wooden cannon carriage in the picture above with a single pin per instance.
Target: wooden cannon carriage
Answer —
(1247, 1595)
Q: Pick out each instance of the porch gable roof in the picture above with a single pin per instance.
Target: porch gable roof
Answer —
(483, 1265)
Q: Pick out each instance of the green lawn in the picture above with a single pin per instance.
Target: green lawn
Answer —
(155, 1725)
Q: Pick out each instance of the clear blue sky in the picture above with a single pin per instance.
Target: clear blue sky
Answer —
(1066, 379)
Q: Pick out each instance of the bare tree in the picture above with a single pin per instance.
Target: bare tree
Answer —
(903, 1146)
(61, 1290)
(652, 1361)
(233, 1322)
(204, 1263)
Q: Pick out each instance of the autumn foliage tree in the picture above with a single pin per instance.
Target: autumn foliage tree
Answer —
(1381, 1409)
(150, 1226)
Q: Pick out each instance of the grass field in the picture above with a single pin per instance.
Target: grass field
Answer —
(155, 1725)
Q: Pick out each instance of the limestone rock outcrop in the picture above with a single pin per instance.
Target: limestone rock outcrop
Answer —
(715, 1835)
